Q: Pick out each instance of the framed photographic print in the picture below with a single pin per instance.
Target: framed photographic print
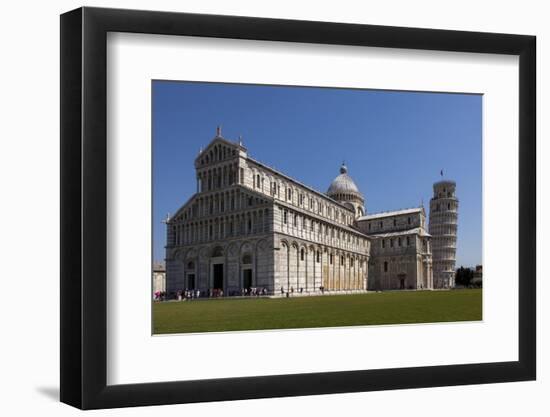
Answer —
(256, 208)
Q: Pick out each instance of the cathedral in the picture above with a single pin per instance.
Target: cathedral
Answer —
(249, 226)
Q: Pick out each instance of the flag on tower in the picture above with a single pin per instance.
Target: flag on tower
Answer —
(442, 173)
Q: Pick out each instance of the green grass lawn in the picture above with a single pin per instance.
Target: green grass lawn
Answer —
(320, 311)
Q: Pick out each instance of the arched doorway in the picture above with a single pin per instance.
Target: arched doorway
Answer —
(218, 276)
(217, 261)
(401, 281)
(246, 267)
(191, 277)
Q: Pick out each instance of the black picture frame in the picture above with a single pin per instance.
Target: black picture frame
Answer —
(84, 207)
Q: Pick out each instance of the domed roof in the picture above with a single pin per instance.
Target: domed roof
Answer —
(343, 183)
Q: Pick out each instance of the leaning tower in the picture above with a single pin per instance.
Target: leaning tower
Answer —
(443, 225)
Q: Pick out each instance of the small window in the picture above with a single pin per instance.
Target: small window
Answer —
(395, 222)
(381, 225)
(341, 260)
(369, 226)
(285, 217)
(295, 222)
(408, 240)
(330, 258)
(391, 243)
(318, 257)
(247, 259)
(385, 267)
(383, 243)
(408, 220)
(398, 241)
(302, 254)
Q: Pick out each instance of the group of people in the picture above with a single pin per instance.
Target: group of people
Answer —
(301, 290)
(215, 293)
(160, 295)
(253, 291)
(187, 294)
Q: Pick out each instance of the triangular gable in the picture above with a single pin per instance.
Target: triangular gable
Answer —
(207, 154)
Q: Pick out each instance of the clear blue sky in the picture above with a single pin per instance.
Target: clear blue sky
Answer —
(394, 144)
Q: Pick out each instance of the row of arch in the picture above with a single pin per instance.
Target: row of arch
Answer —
(349, 196)
(444, 242)
(221, 249)
(311, 268)
(447, 255)
(217, 153)
(195, 266)
(224, 175)
(298, 196)
(218, 203)
(439, 229)
(393, 223)
(399, 242)
(305, 227)
(449, 206)
(218, 177)
(247, 223)
(446, 217)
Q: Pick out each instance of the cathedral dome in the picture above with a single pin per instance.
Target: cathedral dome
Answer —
(344, 190)
(342, 184)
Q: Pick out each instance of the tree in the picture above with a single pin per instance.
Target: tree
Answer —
(464, 276)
